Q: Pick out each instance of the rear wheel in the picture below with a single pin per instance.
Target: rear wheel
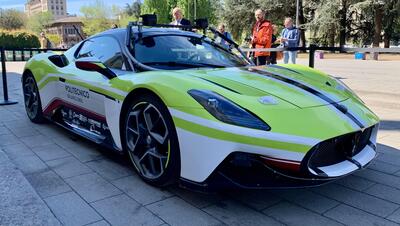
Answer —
(151, 141)
(33, 106)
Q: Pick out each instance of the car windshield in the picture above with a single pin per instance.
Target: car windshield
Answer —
(174, 52)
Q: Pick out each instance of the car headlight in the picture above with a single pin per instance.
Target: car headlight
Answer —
(227, 111)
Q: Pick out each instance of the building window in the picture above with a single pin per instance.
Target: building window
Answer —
(62, 7)
(52, 7)
(57, 7)
(62, 13)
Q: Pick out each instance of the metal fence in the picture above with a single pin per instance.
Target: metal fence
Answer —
(25, 54)
(16, 55)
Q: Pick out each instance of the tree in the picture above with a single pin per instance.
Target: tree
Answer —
(11, 19)
(134, 9)
(96, 17)
(161, 8)
(38, 22)
(391, 21)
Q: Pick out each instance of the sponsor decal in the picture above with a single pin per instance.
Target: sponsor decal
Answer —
(76, 93)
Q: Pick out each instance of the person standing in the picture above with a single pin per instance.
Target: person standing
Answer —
(275, 44)
(44, 41)
(178, 17)
(222, 42)
(262, 37)
(290, 39)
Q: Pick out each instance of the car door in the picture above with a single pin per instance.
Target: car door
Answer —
(86, 93)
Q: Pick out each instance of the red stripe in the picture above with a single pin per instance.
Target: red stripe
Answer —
(282, 163)
(56, 103)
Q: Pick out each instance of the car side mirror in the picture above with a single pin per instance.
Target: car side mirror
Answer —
(93, 64)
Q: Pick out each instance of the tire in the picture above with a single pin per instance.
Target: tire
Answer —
(33, 105)
(150, 140)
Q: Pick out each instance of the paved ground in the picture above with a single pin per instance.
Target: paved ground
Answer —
(81, 184)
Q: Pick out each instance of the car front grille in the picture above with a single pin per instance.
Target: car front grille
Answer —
(338, 149)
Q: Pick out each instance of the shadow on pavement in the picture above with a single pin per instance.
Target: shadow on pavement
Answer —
(389, 125)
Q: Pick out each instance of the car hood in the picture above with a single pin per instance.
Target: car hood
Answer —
(301, 87)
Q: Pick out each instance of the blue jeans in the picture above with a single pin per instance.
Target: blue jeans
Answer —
(289, 55)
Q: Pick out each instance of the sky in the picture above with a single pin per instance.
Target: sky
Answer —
(73, 6)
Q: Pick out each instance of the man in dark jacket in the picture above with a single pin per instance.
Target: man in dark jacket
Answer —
(178, 17)
(262, 37)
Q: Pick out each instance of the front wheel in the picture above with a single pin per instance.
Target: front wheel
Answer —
(33, 105)
(150, 139)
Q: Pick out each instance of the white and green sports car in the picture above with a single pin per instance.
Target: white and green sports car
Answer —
(184, 108)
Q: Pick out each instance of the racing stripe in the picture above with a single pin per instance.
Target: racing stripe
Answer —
(313, 91)
(116, 93)
(267, 135)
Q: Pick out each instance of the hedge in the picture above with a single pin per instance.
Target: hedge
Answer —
(18, 39)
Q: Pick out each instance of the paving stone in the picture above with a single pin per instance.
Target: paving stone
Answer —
(92, 187)
(36, 141)
(47, 183)
(233, 213)
(67, 142)
(379, 177)
(307, 199)
(68, 167)
(4, 130)
(385, 192)
(52, 131)
(290, 214)
(20, 204)
(85, 153)
(175, 211)
(50, 152)
(17, 150)
(8, 139)
(110, 170)
(390, 158)
(30, 164)
(258, 199)
(122, 210)
(354, 182)
(384, 167)
(70, 209)
(19, 123)
(196, 199)
(351, 216)
(140, 191)
(395, 216)
(23, 131)
(99, 223)
(357, 199)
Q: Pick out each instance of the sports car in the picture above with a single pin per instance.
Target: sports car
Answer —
(186, 109)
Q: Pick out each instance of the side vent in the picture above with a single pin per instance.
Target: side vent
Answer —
(59, 60)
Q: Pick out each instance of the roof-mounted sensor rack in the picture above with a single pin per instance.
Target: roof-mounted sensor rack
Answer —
(150, 20)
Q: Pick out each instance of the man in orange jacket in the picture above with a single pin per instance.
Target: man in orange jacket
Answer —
(262, 37)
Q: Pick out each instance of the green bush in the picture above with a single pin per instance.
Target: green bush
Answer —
(18, 39)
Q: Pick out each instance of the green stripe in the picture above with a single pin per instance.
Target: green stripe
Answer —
(85, 85)
(221, 135)
(49, 79)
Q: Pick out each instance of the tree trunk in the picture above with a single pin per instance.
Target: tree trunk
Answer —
(343, 20)
(302, 21)
(386, 40)
(377, 26)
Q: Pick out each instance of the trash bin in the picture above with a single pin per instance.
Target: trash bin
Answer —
(359, 56)
(319, 55)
